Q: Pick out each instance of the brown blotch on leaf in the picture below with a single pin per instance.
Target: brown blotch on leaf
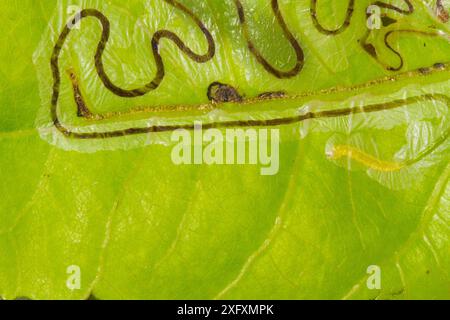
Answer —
(441, 12)
(370, 49)
(272, 95)
(387, 21)
(424, 70)
(439, 66)
(220, 93)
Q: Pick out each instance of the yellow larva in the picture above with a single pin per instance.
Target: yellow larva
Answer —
(340, 151)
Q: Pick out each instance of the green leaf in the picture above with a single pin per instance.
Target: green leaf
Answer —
(364, 157)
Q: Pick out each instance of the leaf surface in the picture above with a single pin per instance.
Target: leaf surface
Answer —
(142, 227)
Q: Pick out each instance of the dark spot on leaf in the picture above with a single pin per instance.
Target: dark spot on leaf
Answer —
(424, 70)
(219, 92)
(399, 292)
(387, 21)
(370, 50)
(271, 95)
